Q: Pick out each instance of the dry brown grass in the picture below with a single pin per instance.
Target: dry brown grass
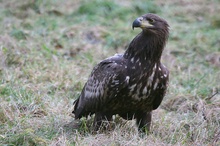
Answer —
(48, 49)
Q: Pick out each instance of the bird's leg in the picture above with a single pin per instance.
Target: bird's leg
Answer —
(99, 118)
(143, 122)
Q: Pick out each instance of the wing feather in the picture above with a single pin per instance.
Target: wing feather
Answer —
(160, 93)
(105, 81)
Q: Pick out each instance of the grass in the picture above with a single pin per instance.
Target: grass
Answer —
(48, 49)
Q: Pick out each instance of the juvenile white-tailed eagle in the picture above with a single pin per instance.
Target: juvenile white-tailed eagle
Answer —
(130, 84)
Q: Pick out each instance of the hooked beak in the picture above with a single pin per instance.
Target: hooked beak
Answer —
(140, 22)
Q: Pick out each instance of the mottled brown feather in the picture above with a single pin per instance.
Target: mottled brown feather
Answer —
(130, 84)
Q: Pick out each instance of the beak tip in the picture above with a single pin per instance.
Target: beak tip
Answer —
(136, 23)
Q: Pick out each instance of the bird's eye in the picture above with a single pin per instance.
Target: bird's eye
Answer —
(151, 20)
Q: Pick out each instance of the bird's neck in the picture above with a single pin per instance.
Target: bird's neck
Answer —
(146, 48)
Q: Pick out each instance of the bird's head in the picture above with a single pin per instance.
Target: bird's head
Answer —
(151, 23)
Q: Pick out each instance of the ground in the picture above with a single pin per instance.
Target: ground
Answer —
(48, 49)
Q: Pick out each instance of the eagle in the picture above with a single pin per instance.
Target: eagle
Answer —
(131, 84)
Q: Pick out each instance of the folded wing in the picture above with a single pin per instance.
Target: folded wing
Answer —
(105, 81)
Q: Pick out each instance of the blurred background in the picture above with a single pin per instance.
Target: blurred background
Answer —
(49, 47)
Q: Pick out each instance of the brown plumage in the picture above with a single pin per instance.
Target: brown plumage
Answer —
(130, 84)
